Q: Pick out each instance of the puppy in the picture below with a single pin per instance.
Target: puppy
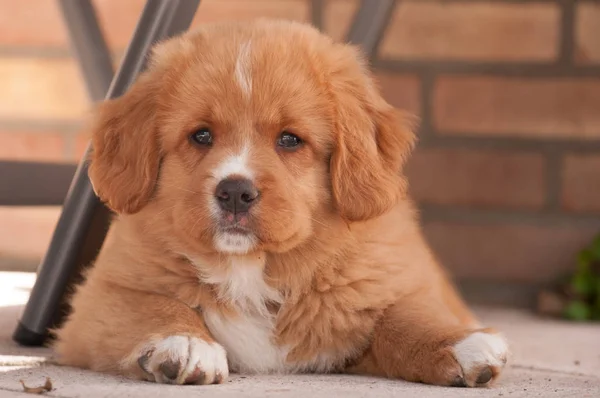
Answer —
(263, 224)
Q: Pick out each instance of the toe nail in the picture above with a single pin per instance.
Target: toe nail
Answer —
(143, 361)
(198, 377)
(485, 376)
(170, 369)
(458, 381)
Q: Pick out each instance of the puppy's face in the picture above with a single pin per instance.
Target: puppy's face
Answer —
(250, 137)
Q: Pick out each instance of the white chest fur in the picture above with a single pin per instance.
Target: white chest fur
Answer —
(247, 335)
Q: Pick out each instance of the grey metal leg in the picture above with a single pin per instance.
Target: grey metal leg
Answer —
(370, 23)
(89, 46)
(317, 7)
(84, 221)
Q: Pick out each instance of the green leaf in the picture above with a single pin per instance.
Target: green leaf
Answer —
(594, 248)
(584, 260)
(583, 283)
(595, 314)
(577, 311)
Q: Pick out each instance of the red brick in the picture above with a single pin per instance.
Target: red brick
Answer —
(481, 31)
(581, 183)
(41, 88)
(244, 10)
(26, 231)
(22, 145)
(539, 108)
(39, 23)
(587, 33)
(508, 252)
(478, 178)
(120, 17)
(402, 91)
(81, 142)
(34, 23)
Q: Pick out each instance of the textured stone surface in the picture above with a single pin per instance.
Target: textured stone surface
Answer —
(549, 359)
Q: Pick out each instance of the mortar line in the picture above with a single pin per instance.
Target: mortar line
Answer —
(7, 51)
(35, 125)
(529, 70)
(507, 141)
(566, 45)
(35, 52)
(541, 217)
(426, 131)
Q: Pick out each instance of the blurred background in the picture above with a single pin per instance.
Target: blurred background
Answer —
(507, 171)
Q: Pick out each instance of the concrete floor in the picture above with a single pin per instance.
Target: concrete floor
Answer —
(550, 359)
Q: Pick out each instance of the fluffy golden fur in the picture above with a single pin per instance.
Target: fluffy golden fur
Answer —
(332, 272)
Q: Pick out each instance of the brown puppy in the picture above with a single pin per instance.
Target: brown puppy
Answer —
(263, 224)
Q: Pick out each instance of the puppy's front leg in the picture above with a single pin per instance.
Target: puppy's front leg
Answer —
(422, 341)
(139, 335)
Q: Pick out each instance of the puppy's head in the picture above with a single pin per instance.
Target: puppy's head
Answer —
(243, 137)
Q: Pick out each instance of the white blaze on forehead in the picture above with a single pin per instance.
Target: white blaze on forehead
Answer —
(234, 165)
(243, 70)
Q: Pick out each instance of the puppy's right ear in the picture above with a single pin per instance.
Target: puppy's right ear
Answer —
(126, 155)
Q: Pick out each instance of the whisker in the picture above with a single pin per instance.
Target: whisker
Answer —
(156, 217)
(167, 185)
(165, 209)
(306, 217)
(198, 219)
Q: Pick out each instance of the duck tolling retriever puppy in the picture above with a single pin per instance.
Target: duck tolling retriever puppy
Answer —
(262, 224)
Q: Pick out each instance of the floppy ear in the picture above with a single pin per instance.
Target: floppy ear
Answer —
(125, 153)
(373, 141)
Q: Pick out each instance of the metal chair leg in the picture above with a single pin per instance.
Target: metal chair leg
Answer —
(88, 46)
(84, 221)
(370, 23)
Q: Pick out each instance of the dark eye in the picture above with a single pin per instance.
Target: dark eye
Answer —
(288, 140)
(202, 136)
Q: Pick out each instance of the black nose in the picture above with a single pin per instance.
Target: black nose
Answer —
(236, 195)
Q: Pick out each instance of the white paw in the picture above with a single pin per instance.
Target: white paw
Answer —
(481, 356)
(184, 360)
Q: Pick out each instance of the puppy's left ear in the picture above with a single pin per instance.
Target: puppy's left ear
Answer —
(373, 142)
(125, 152)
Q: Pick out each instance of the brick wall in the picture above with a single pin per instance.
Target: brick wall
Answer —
(508, 167)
